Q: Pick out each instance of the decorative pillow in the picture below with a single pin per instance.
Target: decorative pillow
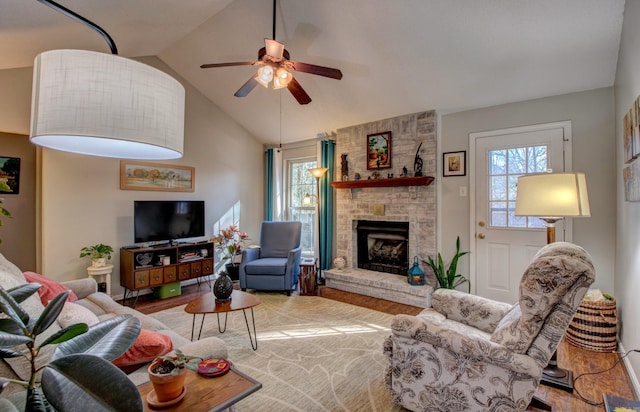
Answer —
(73, 313)
(50, 288)
(148, 346)
(10, 277)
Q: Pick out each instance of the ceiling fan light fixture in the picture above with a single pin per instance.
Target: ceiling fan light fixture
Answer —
(282, 79)
(265, 75)
(274, 48)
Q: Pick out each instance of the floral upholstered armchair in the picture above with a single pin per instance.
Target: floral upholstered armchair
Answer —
(468, 353)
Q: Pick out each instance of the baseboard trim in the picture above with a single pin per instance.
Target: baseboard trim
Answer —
(630, 373)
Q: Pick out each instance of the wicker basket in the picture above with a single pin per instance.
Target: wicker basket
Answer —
(594, 326)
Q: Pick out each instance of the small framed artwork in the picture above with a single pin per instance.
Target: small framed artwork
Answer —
(136, 175)
(379, 151)
(9, 175)
(454, 163)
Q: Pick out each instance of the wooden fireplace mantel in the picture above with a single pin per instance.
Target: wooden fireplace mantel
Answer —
(389, 182)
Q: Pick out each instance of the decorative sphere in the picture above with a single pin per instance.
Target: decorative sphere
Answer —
(339, 263)
(223, 287)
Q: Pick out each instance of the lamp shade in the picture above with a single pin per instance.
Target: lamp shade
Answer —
(552, 195)
(317, 172)
(105, 105)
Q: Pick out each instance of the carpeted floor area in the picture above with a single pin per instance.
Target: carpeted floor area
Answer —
(314, 354)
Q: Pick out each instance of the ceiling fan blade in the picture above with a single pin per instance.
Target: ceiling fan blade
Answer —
(319, 70)
(298, 92)
(247, 87)
(274, 48)
(207, 66)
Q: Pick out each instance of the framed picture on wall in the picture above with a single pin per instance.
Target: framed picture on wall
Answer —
(136, 175)
(454, 163)
(379, 151)
(9, 175)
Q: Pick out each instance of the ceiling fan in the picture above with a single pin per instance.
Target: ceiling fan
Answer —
(275, 68)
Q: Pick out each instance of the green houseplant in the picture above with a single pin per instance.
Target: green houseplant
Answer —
(99, 254)
(79, 374)
(448, 278)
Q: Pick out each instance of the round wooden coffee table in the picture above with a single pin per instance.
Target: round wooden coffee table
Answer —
(205, 304)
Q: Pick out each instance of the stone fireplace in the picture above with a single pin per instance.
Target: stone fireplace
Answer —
(410, 209)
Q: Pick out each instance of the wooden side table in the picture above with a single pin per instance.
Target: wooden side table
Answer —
(307, 278)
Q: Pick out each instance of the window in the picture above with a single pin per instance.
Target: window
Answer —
(301, 183)
(505, 166)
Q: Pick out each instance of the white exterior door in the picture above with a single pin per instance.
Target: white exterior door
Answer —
(504, 243)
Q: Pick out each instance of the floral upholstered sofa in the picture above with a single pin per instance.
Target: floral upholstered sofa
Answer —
(468, 353)
(91, 307)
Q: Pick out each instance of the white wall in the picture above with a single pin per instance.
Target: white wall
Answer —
(627, 89)
(592, 117)
(83, 204)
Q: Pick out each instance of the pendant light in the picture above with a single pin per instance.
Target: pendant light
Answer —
(105, 105)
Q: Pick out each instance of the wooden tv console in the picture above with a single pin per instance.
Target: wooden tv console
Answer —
(142, 268)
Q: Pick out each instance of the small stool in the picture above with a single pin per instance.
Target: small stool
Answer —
(102, 271)
(307, 278)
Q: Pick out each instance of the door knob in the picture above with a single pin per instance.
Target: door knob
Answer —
(480, 235)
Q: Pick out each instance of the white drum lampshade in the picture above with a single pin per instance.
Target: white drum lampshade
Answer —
(106, 105)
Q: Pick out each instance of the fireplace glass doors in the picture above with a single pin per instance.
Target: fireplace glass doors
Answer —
(383, 246)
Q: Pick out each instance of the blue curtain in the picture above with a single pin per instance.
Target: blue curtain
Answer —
(325, 208)
(269, 186)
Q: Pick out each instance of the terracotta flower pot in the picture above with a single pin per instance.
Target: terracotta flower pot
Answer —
(166, 386)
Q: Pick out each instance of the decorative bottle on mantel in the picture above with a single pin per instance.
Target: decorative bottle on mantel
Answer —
(415, 274)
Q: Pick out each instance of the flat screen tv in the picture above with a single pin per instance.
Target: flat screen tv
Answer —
(161, 220)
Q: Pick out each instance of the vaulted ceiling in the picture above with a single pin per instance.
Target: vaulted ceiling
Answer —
(397, 57)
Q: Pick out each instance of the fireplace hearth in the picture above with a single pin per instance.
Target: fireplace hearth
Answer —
(383, 246)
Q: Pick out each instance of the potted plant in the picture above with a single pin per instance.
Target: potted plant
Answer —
(448, 278)
(81, 362)
(99, 254)
(167, 374)
(230, 242)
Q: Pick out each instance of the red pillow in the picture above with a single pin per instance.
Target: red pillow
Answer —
(50, 288)
(148, 346)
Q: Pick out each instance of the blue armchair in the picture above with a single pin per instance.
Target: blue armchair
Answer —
(275, 265)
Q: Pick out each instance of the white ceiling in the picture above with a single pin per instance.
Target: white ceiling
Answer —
(397, 57)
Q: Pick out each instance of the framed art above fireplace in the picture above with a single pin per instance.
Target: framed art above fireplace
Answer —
(379, 151)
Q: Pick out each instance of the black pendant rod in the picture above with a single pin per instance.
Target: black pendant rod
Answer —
(274, 19)
(112, 45)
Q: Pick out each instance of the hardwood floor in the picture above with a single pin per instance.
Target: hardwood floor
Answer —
(578, 360)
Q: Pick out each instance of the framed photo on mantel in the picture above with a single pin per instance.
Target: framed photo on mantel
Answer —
(379, 151)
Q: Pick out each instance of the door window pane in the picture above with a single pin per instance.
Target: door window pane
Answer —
(505, 166)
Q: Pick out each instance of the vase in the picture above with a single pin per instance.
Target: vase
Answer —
(223, 287)
(233, 270)
(166, 386)
(99, 262)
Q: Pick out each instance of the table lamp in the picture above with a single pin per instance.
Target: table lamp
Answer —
(552, 197)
